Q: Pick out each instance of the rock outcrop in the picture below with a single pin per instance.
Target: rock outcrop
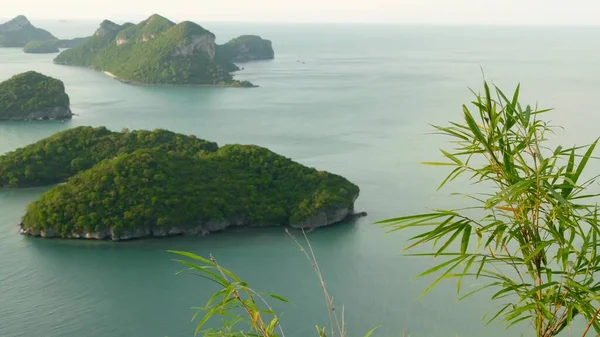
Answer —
(107, 27)
(322, 219)
(55, 113)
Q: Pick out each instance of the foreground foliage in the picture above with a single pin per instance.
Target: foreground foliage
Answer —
(244, 312)
(532, 234)
(28, 92)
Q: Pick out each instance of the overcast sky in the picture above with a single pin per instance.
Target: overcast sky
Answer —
(400, 11)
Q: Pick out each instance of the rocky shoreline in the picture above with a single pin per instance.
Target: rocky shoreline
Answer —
(55, 113)
(321, 219)
(175, 85)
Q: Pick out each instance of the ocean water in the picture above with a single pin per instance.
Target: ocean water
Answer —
(356, 100)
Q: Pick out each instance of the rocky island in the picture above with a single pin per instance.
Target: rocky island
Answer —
(159, 51)
(125, 185)
(33, 96)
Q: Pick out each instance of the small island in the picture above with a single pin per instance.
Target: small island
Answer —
(247, 48)
(19, 31)
(52, 46)
(135, 184)
(33, 96)
(42, 47)
(160, 52)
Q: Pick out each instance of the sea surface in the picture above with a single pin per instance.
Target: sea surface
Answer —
(356, 100)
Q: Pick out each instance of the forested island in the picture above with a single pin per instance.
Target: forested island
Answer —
(33, 96)
(133, 184)
(158, 51)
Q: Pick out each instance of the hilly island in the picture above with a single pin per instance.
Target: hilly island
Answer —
(19, 32)
(33, 96)
(158, 51)
(134, 184)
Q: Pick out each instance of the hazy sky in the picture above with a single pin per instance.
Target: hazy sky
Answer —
(402, 11)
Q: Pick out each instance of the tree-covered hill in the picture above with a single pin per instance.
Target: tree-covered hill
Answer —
(32, 95)
(60, 156)
(157, 183)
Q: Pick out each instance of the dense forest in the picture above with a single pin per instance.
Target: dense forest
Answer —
(29, 92)
(56, 158)
(155, 51)
(159, 180)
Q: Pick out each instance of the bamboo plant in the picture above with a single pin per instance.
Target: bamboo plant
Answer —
(531, 234)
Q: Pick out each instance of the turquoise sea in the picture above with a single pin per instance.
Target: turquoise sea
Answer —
(352, 99)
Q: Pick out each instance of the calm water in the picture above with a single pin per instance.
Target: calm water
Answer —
(359, 106)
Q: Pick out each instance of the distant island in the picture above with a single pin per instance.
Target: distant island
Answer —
(52, 46)
(247, 48)
(158, 51)
(33, 96)
(133, 184)
(42, 47)
(19, 32)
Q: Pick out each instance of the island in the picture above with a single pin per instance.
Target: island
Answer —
(159, 51)
(135, 184)
(52, 46)
(247, 48)
(71, 43)
(33, 96)
(42, 47)
(19, 31)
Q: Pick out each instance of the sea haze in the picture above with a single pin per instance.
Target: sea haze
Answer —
(352, 99)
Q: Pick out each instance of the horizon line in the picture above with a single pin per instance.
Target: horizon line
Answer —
(405, 23)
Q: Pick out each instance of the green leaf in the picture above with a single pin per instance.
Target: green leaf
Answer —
(465, 239)
(372, 331)
(279, 298)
